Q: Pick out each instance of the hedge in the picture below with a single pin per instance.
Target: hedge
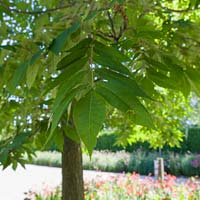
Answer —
(193, 140)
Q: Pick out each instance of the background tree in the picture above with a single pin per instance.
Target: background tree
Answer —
(169, 114)
(66, 61)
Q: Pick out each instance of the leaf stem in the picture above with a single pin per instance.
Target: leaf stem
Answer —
(91, 64)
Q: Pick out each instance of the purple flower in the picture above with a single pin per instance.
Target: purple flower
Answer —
(195, 163)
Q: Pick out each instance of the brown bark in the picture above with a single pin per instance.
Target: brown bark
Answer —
(72, 172)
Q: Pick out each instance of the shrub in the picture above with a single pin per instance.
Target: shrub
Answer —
(190, 166)
(47, 159)
(107, 161)
(121, 161)
(173, 163)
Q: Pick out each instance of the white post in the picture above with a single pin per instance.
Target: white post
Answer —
(159, 169)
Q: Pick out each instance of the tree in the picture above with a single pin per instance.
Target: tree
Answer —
(66, 61)
(169, 113)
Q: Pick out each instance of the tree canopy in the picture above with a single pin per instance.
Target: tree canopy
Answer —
(64, 63)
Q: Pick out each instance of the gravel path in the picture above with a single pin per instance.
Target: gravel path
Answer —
(13, 184)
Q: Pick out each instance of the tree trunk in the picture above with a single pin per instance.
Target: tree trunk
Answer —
(72, 172)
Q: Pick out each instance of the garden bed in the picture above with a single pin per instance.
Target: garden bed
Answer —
(129, 187)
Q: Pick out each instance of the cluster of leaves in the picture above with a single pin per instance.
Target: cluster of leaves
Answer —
(14, 149)
(76, 59)
(169, 122)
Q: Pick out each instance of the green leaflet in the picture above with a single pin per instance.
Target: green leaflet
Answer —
(67, 86)
(77, 52)
(18, 76)
(59, 110)
(8, 47)
(4, 156)
(16, 143)
(105, 61)
(125, 99)
(193, 77)
(186, 87)
(108, 56)
(111, 97)
(66, 74)
(89, 114)
(58, 139)
(59, 42)
(142, 116)
(19, 140)
(35, 56)
(125, 82)
(83, 44)
(109, 52)
(71, 58)
(157, 65)
(31, 74)
(161, 79)
(71, 133)
(21, 71)
(148, 86)
(91, 15)
(168, 75)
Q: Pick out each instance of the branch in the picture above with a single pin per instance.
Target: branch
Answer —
(112, 26)
(34, 12)
(192, 39)
(124, 27)
(180, 11)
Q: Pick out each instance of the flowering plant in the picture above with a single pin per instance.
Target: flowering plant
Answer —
(131, 187)
(195, 162)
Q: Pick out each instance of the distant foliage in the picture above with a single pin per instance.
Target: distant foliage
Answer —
(191, 143)
(138, 161)
(193, 140)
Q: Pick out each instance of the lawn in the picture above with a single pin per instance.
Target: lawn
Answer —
(129, 187)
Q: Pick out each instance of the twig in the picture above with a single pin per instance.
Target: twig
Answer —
(112, 26)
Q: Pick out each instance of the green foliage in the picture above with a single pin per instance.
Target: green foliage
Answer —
(191, 143)
(107, 142)
(21, 71)
(13, 150)
(81, 55)
(59, 42)
(139, 161)
(193, 140)
(89, 114)
(168, 127)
